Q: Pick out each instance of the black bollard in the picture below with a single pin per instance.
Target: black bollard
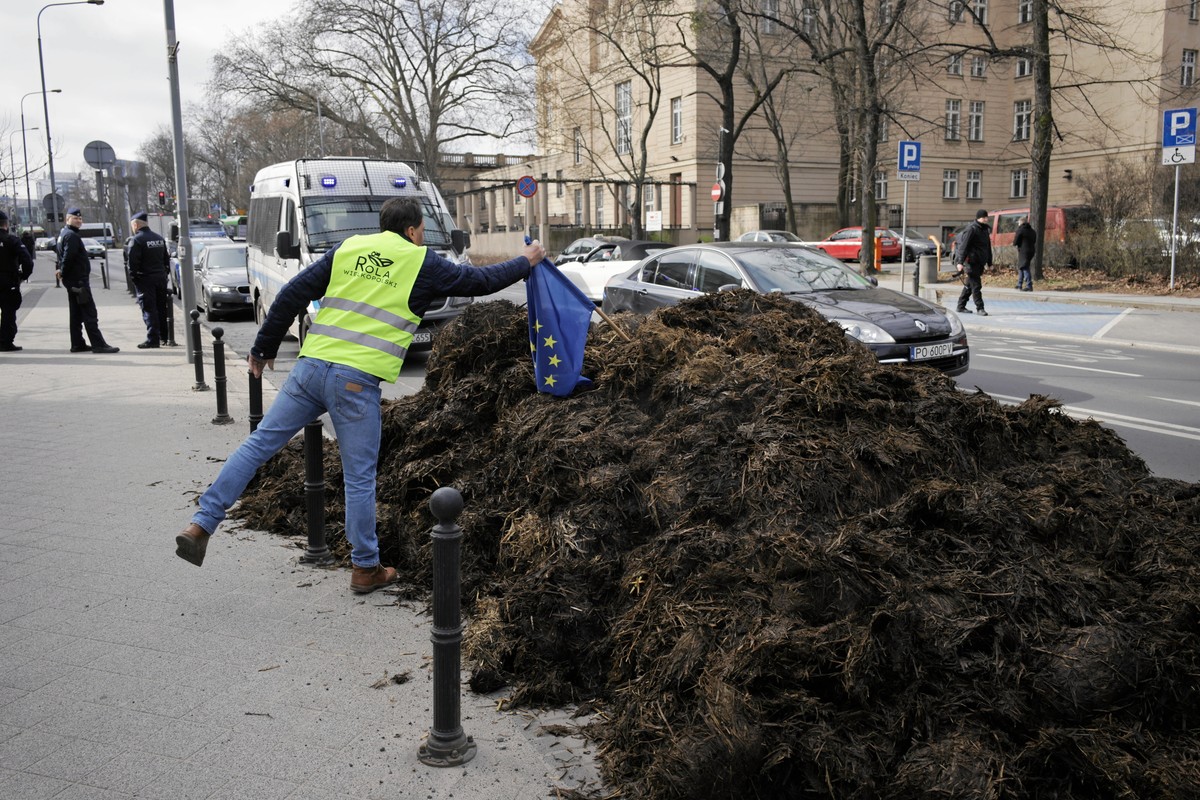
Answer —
(170, 331)
(256, 411)
(446, 744)
(317, 552)
(104, 270)
(198, 354)
(222, 417)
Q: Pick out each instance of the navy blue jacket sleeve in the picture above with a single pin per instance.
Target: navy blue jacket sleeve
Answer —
(440, 277)
(24, 258)
(293, 298)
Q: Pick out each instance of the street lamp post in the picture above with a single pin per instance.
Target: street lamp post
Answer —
(12, 168)
(25, 150)
(46, 103)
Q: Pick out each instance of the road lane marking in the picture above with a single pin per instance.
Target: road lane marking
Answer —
(1121, 420)
(978, 354)
(1112, 324)
(1174, 400)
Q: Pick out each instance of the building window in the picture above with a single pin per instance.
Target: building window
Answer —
(578, 146)
(980, 7)
(770, 15)
(884, 131)
(624, 117)
(954, 11)
(974, 184)
(558, 186)
(1024, 67)
(885, 11)
(975, 121)
(1187, 71)
(954, 64)
(649, 201)
(1025, 10)
(1194, 10)
(808, 20)
(579, 208)
(978, 66)
(676, 120)
(1020, 182)
(1022, 114)
(949, 184)
(599, 206)
(953, 118)
(881, 182)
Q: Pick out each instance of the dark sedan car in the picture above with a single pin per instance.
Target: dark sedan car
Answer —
(222, 286)
(898, 328)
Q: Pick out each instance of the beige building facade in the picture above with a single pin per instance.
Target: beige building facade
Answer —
(620, 102)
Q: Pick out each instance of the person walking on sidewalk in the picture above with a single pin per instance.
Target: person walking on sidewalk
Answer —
(15, 266)
(74, 267)
(1025, 241)
(149, 264)
(972, 255)
(374, 290)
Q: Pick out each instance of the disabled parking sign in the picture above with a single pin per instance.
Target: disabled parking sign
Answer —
(1179, 136)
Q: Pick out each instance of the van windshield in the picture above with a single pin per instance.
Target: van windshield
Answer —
(329, 221)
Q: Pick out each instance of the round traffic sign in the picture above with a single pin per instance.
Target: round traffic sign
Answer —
(99, 155)
(526, 186)
(716, 192)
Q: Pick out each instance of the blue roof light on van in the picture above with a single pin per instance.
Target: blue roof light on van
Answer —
(399, 183)
(328, 181)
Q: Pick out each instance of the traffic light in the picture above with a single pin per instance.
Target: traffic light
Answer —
(162, 199)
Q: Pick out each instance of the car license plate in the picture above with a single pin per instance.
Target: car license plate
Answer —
(924, 352)
(422, 337)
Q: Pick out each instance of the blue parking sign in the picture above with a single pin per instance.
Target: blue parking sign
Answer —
(1179, 127)
(910, 157)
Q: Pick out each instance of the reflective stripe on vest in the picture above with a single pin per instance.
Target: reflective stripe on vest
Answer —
(365, 321)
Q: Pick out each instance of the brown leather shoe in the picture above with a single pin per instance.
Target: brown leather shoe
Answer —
(191, 543)
(368, 579)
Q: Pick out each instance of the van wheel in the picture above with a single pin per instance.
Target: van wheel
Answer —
(258, 311)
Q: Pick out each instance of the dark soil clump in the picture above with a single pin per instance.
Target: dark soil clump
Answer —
(782, 570)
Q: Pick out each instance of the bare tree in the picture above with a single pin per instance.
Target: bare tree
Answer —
(417, 75)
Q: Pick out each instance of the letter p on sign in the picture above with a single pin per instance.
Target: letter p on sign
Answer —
(910, 157)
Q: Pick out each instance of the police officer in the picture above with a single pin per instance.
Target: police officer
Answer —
(74, 267)
(15, 266)
(149, 263)
(374, 290)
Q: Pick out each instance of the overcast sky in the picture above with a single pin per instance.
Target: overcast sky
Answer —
(111, 63)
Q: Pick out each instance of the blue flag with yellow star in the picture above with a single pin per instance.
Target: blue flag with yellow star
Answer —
(559, 317)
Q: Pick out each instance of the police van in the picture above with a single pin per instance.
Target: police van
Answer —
(301, 209)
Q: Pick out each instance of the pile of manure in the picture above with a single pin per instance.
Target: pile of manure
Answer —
(780, 569)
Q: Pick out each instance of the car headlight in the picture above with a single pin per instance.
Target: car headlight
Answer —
(218, 288)
(865, 332)
(956, 326)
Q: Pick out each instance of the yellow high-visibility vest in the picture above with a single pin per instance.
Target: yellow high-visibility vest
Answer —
(364, 321)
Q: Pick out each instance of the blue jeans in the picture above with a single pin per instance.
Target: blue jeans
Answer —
(351, 397)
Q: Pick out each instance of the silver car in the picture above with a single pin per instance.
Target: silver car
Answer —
(222, 284)
(898, 328)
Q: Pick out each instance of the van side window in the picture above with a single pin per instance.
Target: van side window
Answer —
(264, 222)
(1007, 223)
(288, 223)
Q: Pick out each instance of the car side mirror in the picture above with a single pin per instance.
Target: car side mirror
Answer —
(874, 281)
(460, 240)
(284, 247)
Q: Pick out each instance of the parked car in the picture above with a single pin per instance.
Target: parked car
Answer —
(45, 242)
(93, 247)
(917, 244)
(200, 241)
(898, 328)
(846, 244)
(592, 272)
(580, 248)
(222, 283)
(769, 236)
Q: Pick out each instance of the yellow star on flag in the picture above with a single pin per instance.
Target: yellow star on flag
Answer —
(554, 361)
(550, 381)
(550, 341)
(537, 327)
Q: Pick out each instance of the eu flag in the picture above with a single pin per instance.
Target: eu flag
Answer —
(559, 316)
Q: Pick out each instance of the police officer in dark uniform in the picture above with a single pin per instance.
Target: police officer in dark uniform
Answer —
(15, 266)
(149, 263)
(74, 267)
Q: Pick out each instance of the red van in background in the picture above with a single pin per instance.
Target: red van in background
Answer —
(1062, 222)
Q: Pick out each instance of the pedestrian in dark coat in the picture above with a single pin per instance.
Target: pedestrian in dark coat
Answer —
(30, 243)
(972, 255)
(149, 265)
(1026, 243)
(15, 266)
(74, 267)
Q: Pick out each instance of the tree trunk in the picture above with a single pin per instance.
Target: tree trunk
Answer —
(1043, 132)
